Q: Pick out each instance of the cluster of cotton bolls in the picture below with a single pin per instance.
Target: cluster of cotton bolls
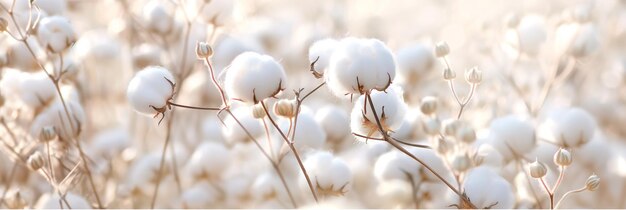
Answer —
(312, 104)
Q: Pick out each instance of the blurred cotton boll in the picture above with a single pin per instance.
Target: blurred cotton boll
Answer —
(330, 175)
(51, 201)
(577, 39)
(55, 33)
(414, 62)
(486, 189)
(216, 12)
(52, 7)
(320, 53)
(158, 17)
(253, 77)
(335, 122)
(67, 124)
(512, 136)
(570, 127)
(359, 65)
(528, 36)
(208, 161)
(200, 195)
(150, 90)
(394, 165)
(234, 133)
(309, 134)
(390, 109)
(36, 89)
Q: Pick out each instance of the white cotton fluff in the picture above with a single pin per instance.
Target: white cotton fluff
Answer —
(209, 159)
(577, 39)
(110, 143)
(200, 195)
(233, 133)
(51, 201)
(212, 129)
(335, 122)
(147, 55)
(490, 156)
(394, 111)
(322, 51)
(150, 88)
(414, 62)
(395, 192)
(217, 12)
(157, 17)
(228, 47)
(143, 172)
(96, 46)
(395, 165)
(309, 134)
(36, 89)
(328, 173)
(369, 60)
(485, 187)
(52, 7)
(54, 115)
(19, 57)
(512, 136)
(571, 127)
(266, 186)
(435, 162)
(253, 77)
(529, 35)
(55, 33)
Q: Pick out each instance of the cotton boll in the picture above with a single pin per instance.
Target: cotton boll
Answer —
(413, 62)
(97, 47)
(229, 47)
(36, 89)
(233, 133)
(200, 195)
(55, 33)
(146, 55)
(19, 57)
(158, 18)
(395, 165)
(267, 186)
(216, 12)
(529, 35)
(212, 129)
(209, 160)
(329, 174)
(309, 134)
(320, 53)
(577, 39)
(55, 116)
(390, 108)
(489, 156)
(253, 77)
(395, 192)
(435, 162)
(110, 143)
(143, 173)
(572, 127)
(52, 7)
(485, 188)
(512, 136)
(150, 89)
(51, 201)
(335, 122)
(369, 60)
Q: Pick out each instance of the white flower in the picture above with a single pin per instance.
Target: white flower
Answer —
(309, 134)
(335, 122)
(157, 18)
(233, 132)
(51, 201)
(390, 108)
(150, 90)
(55, 33)
(330, 175)
(208, 161)
(360, 65)
(253, 77)
(528, 36)
(512, 136)
(571, 127)
(577, 39)
(320, 53)
(485, 188)
(54, 115)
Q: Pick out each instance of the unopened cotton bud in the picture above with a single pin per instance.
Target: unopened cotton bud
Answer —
(203, 50)
(442, 49)
(258, 112)
(537, 169)
(3, 24)
(473, 76)
(48, 133)
(562, 157)
(35, 161)
(448, 74)
(593, 182)
(428, 105)
(285, 108)
(461, 163)
(466, 134)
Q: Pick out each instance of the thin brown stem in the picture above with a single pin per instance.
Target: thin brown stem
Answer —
(215, 83)
(399, 141)
(159, 174)
(194, 107)
(568, 194)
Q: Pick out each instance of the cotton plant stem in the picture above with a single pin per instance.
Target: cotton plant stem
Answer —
(462, 103)
(568, 194)
(551, 81)
(159, 174)
(299, 102)
(293, 149)
(399, 147)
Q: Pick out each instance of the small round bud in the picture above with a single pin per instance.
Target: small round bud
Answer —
(448, 74)
(428, 105)
(450, 127)
(203, 50)
(442, 49)
(35, 161)
(47, 133)
(461, 163)
(473, 76)
(258, 112)
(537, 169)
(593, 182)
(432, 126)
(562, 157)
(466, 134)
(3, 24)
(285, 108)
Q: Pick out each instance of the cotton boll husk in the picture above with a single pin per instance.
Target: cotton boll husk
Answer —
(200, 195)
(309, 134)
(246, 70)
(150, 87)
(329, 173)
(209, 159)
(413, 63)
(55, 33)
(321, 51)
(570, 127)
(335, 121)
(577, 39)
(484, 188)
(217, 12)
(55, 116)
(511, 136)
(368, 59)
(529, 35)
(394, 107)
(36, 89)
(233, 133)
(52, 7)
(51, 201)
(395, 165)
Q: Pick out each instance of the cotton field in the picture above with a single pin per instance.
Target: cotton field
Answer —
(312, 104)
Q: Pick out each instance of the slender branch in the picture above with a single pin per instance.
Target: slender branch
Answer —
(399, 141)
(194, 107)
(567, 194)
(155, 193)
